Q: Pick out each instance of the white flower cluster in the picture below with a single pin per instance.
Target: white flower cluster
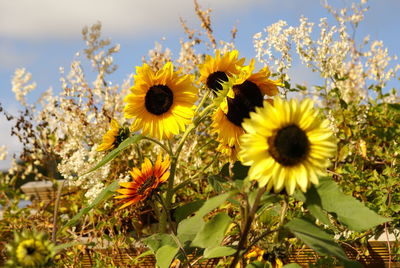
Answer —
(334, 54)
(21, 85)
(188, 59)
(84, 113)
(3, 152)
(158, 56)
(75, 119)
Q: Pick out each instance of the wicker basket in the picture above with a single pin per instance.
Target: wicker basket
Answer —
(128, 258)
(378, 255)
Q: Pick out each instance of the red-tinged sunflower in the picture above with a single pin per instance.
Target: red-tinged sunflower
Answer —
(216, 70)
(161, 102)
(113, 137)
(246, 94)
(286, 145)
(144, 181)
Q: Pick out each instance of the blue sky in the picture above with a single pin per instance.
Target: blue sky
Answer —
(43, 35)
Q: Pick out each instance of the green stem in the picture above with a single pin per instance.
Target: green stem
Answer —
(181, 248)
(139, 152)
(203, 100)
(55, 213)
(255, 241)
(159, 143)
(194, 177)
(174, 162)
(282, 218)
(247, 227)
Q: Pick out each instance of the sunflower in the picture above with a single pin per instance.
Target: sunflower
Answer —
(161, 102)
(216, 70)
(230, 151)
(143, 181)
(255, 253)
(246, 94)
(286, 145)
(30, 249)
(113, 137)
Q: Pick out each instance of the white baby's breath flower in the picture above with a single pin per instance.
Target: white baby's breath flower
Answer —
(3, 152)
(22, 85)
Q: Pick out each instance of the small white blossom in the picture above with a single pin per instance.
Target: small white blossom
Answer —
(3, 152)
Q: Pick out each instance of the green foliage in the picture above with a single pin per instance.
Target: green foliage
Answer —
(348, 210)
(292, 265)
(188, 228)
(258, 264)
(104, 195)
(213, 232)
(158, 240)
(367, 166)
(316, 238)
(218, 251)
(186, 210)
(364, 184)
(165, 255)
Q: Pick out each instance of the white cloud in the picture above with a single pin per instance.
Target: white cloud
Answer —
(41, 19)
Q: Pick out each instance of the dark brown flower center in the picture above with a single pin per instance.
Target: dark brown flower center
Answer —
(148, 183)
(247, 97)
(289, 146)
(123, 134)
(214, 80)
(158, 99)
(30, 250)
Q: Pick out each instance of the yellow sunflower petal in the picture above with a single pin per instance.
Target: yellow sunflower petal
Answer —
(295, 145)
(161, 103)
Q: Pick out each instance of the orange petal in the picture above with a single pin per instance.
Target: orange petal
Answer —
(135, 200)
(127, 191)
(127, 184)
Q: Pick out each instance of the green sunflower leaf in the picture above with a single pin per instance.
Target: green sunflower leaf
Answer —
(239, 171)
(103, 195)
(212, 204)
(350, 212)
(258, 264)
(186, 210)
(188, 228)
(316, 238)
(212, 233)
(217, 182)
(165, 255)
(292, 265)
(218, 252)
(157, 241)
(114, 153)
(313, 203)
